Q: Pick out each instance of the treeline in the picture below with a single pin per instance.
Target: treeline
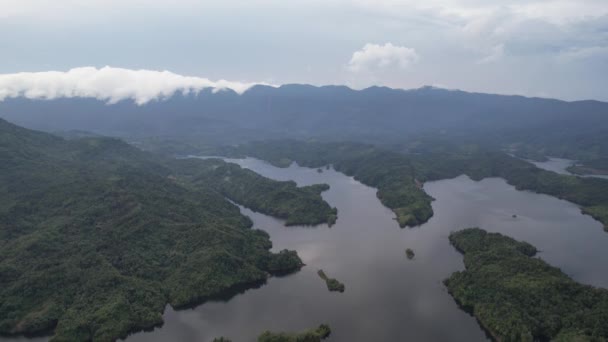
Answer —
(285, 200)
(517, 297)
(96, 239)
(312, 335)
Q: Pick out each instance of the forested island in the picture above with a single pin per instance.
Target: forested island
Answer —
(285, 200)
(409, 253)
(97, 237)
(517, 297)
(332, 284)
(312, 335)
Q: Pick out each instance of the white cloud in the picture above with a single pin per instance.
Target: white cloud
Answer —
(374, 56)
(108, 84)
(496, 53)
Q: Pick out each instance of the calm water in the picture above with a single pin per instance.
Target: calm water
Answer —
(388, 298)
(559, 165)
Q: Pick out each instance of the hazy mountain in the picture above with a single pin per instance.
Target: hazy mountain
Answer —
(329, 113)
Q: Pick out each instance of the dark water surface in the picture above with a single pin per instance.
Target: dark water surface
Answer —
(388, 297)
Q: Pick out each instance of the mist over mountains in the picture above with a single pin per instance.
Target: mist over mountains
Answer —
(376, 114)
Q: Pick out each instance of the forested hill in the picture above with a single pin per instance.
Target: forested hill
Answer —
(375, 114)
(285, 200)
(96, 238)
(517, 297)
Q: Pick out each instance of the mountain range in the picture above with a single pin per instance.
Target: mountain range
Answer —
(377, 114)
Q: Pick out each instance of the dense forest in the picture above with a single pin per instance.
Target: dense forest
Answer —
(399, 176)
(285, 200)
(517, 297)
(96, 238)
(313, 335)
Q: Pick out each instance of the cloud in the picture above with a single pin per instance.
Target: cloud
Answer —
(374, 56)
(108, 84)
(496, 53)
(578, 54)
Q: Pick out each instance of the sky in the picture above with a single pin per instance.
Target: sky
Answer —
(546, 48)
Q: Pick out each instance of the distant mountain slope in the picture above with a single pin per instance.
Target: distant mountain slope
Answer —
(95, 239)
(334, 113)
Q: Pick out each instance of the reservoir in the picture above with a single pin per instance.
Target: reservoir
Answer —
(388, 297)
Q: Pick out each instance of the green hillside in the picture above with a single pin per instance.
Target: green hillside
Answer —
(96, 238)
(285, 200)
(517, 297)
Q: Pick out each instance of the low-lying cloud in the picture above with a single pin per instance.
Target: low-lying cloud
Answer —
(108, 84)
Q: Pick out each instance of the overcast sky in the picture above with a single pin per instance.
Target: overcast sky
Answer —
(549, 48)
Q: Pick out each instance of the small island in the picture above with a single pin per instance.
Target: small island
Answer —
(332, 284)
(409, 253)
(320, 170)
(312, 335)
(221, 339)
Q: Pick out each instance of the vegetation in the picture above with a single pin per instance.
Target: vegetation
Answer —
(517, 297)
(96, 238)
(313, 335)
(409, 253)
(221, 339)
(285, 200)
(332, 283)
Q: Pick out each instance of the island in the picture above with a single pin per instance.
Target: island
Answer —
(313, 335)
(517, 297)
(409, 253)
(332, 284)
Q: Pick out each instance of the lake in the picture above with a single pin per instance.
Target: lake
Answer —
(388, 297)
